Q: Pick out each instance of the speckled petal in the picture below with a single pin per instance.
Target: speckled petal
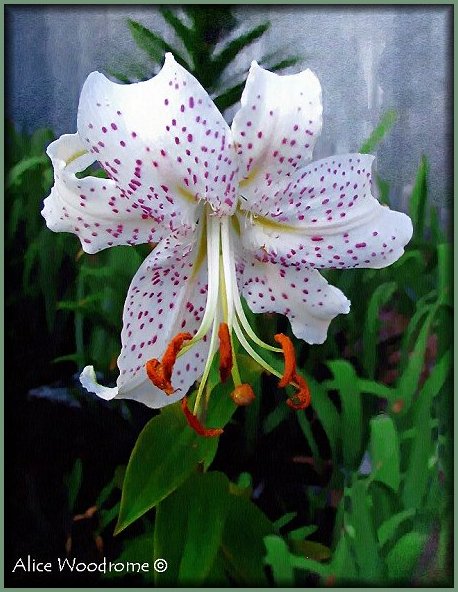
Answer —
(163, 141)
(167, 296)
(276, 128)
(301, 294)
(325, 217)
(91, 207)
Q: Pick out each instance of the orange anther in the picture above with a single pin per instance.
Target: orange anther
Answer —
(195, 424)
(160, 372)
(302, 398)
(225, 352)
(243, 395)
(290, 359)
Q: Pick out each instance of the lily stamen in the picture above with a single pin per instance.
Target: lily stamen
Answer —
(301, 399)
(289, 372)
(160, 372)
(243, 395)
(195, 424)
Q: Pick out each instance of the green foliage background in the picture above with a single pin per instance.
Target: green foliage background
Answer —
(377, 436)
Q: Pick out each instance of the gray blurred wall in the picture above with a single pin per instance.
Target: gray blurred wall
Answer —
(368, 60)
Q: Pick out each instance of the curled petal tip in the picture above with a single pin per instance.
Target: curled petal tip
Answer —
(88, 379)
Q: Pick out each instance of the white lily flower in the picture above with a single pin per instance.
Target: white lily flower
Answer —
(235, 212)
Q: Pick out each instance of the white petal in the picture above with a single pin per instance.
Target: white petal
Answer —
(167, 296)
(325, 217)
(91, 207)
(276, 128)
(162, 140)
(301, 294)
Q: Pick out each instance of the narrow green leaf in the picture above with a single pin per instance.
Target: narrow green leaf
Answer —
(284, 520)
(275, 418)
(384, 451)
(279, 559)
(387, 529)
(404, 556)
(73, 482)
(435, 226)
(153, 44)
(327, 414)
(417, 475)
(233, 48)
(384, 190)
(365, 541)
(189, 527)
(408, 382)
(307, 431)
(186, 34)
(386, 122)
(418, 199)
(343, 567)
(22, 167)
(376, 388)
(380, 297)
(346, 382)
(282, 64)
(435, 381)
(445, 272)
(229, 97)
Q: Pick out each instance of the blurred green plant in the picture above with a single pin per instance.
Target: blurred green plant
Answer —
(211, 41)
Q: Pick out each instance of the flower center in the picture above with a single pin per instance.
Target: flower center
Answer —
(224, 318)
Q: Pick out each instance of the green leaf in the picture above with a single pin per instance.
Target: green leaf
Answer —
(435, 226)
(24, 166)
(404, 556)
(282, 64)
(171, 450)
(275, 418)
(387, 529)
(303, 532)
(386, 122)
(153, 44)
(307, 431)
(186, 35)
(284, 520)
(384, 190)
(380, 297)
(310, 549)
(189, 527)
(229, 97)
(232, 49)
(418, 199)
(384, 451)
(376, 388)
(417, 474)
(365, 540)
(73, 482)
(343, 567)
(279, 559)
(444, 266)
(243, 547)
(408, 382)
(327, 414)
(346, 382)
